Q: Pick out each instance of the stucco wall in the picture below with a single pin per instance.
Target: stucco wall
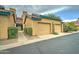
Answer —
(56, 22)
(28, 22)
(34, 25)
(3, 27)
(23, 17)
(11, 21)
(5, 22)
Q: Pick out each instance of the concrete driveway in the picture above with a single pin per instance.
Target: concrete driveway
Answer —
(62, 45)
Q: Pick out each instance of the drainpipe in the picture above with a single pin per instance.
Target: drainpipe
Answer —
(14, 18)
(53, 27)
(61, 26)
(25, 19)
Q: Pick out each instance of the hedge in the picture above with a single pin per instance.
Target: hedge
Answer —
(28, 31)
(12, 32)
(69, 28)
(55, 33)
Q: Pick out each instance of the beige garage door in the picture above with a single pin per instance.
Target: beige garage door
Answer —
(43, 28)
(57, 28)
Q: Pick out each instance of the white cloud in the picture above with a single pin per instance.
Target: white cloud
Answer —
(69, 20)
(36, 8)
(55, 10)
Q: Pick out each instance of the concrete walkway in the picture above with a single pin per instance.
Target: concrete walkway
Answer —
(21, 36)
(24, 40)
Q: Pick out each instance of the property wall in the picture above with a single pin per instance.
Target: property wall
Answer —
(23, 17)
(38, 27)
(5, 22)
(11, 21)
(28, 22)
(3, 27)
(56, 22)
(34, 27)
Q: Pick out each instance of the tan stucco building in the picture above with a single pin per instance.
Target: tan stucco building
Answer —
(42, 26)
(7, 19)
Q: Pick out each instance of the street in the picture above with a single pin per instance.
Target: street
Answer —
(61, 45)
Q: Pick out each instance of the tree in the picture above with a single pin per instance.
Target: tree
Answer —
(70, 26)
(54, 17)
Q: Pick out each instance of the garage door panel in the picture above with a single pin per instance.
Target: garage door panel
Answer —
(57, 28)
(43, 28)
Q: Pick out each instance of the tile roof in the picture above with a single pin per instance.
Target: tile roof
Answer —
(5, 13)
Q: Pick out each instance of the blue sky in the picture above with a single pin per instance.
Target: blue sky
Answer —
(66, 12)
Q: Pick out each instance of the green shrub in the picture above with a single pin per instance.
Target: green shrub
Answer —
(69, 29)
(12, 32)
(55, 33)
(25, 30)
(28, 31)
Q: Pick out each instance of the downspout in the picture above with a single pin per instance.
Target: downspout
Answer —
(53, 28)
(14, 18)
(61, 26)
(25, 19)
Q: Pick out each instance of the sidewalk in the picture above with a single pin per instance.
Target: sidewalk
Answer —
(24, 40)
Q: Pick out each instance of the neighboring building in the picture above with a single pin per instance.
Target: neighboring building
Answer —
(41, 25)
(7, 19)
(19, 23)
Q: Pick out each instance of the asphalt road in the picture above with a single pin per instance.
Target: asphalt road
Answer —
(62, 45)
